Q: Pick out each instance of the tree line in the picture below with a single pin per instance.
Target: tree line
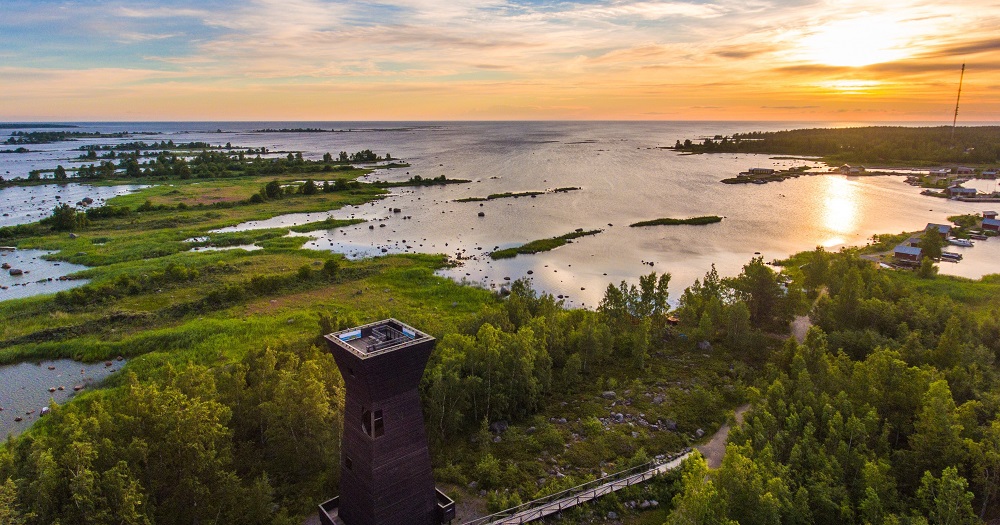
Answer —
(168, 164)
(46, 137)
(873, 144)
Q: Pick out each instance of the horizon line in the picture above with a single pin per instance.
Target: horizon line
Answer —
(183, 121)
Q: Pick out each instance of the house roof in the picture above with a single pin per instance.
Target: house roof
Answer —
(989, 212)
(991, 222)
(908, 250)
(941, 228)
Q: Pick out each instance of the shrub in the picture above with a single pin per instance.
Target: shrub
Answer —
(488, 472)
(66, 218)
(104, 212)
(330, 268)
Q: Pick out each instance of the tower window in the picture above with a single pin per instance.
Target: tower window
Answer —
(372, 423)
(366, 422)
(379, 425)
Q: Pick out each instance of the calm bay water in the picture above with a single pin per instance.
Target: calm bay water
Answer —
(22, 205)
(24, 388)
(40, 276)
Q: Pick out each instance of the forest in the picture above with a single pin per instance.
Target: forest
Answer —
(874, 144)
(886, 413)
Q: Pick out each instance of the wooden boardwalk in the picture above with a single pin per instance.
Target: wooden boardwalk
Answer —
(539, 509)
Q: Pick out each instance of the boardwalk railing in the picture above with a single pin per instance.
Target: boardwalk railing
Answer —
(555, 503)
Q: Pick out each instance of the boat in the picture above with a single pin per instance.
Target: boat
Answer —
(951, 256)
(978, 236)
(961, 242)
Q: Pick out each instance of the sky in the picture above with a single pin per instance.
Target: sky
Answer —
(812, 60)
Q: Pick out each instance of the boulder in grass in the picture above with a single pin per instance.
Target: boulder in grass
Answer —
(499, 427)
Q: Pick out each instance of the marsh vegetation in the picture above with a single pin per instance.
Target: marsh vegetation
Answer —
(542, 245)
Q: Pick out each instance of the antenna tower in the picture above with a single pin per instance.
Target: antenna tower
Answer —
(958, 98)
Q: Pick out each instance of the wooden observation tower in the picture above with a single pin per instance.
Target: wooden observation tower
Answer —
(385, 466)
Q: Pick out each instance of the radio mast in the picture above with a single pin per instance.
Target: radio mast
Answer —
(957, 99)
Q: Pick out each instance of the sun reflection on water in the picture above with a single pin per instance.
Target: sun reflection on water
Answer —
(840, 209)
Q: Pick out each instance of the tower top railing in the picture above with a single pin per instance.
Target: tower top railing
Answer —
(377, 338)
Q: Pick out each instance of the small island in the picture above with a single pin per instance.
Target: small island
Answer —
(542, 245)
(417, 180)
(765, 175)
(705, 219)
(48, 137)
(509, 194)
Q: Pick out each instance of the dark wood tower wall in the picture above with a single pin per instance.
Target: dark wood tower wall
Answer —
(385, 479)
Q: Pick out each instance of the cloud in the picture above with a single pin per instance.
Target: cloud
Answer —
(161, 12)
(632, 54)
(987, 45)
(741, 53)
(456, 55)
(651, 10)
(132, 37)
(899, 68)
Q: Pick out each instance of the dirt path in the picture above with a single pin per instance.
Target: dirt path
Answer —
(715, 449)
(800, 326)
(801, 323)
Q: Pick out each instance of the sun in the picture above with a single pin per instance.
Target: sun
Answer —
(851, 87)
(856, 42)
